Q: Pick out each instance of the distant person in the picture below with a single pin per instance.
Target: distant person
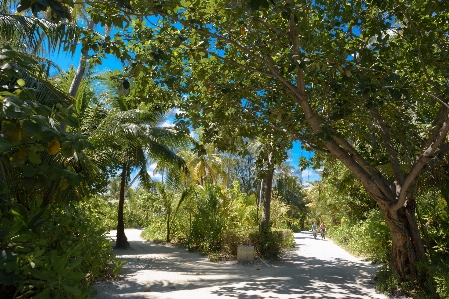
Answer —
(323, 230)
(314, 230)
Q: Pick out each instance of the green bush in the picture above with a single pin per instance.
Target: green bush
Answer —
(270, 243)
(52, 253)
(369, 238)
(439, 270)
(232, 239)
(133, 217)
(216, 211)
(217, 220)
(156, 230)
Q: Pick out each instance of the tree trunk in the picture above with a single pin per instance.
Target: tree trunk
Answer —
(167, 239)
(81, 68)
(407, 246)
(267, 202)
(122, 240)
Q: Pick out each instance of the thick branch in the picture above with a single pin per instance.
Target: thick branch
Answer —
(421, 162)
(385, 133)
(438, 122)
(438, 156)
(296, 55)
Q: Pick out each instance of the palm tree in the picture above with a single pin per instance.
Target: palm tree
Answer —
(205, 164)
(129, 136)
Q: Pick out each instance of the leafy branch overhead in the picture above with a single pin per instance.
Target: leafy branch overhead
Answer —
(363, 81)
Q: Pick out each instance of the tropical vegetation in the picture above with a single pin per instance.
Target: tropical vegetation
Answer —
(361, 83)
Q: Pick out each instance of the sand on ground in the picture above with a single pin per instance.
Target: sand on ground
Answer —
(316, 268)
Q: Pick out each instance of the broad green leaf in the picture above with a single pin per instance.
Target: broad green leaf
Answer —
(31, 126)
(21, 82)
(29, 170)
(34, 156)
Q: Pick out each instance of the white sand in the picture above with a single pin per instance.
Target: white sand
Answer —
(315, 269)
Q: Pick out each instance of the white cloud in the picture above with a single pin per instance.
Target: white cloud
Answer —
(310, 175)
(155, 176)
(167, 123)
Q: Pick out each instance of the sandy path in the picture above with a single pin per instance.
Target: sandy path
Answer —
(315, 269)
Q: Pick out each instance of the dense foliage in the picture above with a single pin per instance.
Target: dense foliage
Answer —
(254, 76)
(360, 228)
(53, 252)
(49, 247)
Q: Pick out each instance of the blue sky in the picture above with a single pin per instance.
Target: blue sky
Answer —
(111, 63)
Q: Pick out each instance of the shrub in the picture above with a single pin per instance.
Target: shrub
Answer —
(369, 238)
(270, 243)
(52, 253)
(232, 239)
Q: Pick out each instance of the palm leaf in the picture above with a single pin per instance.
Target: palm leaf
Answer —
(31, 31)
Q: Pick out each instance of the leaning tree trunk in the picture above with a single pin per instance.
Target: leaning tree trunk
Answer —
(267, 202)
(122, 240)
(81, 68)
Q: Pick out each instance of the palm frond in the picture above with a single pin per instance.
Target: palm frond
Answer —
(46, 92)
(30, 32)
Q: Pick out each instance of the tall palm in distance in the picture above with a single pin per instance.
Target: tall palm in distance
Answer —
(128, 134)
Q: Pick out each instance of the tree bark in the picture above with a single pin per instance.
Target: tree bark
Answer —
(267, 201)
(81, 68)
(122, 240)
(167, 238)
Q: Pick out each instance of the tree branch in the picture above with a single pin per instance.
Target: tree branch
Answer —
(422, 160)
(385, 133)
(241, 65)
(438, 156)
(438, 122)
(296, 55)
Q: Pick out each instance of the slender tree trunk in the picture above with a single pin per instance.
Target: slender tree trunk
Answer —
(122, 240)
(267, 202)
(167, 239)
(259, 200)
(81, 68)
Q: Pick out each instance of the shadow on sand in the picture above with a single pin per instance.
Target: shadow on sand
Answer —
(296, 276)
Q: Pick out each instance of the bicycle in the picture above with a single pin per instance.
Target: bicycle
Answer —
(323, 233)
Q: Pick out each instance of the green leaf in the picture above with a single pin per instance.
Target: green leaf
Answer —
(29, 170)
(44, 294)
(71, 290)
(39, 119)
(20, 214)
(34, 156)
(67, 151)
(31, 127)
(33, 224)
(21, 82)
(29, 183)
(4, 145)
(8, 279)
